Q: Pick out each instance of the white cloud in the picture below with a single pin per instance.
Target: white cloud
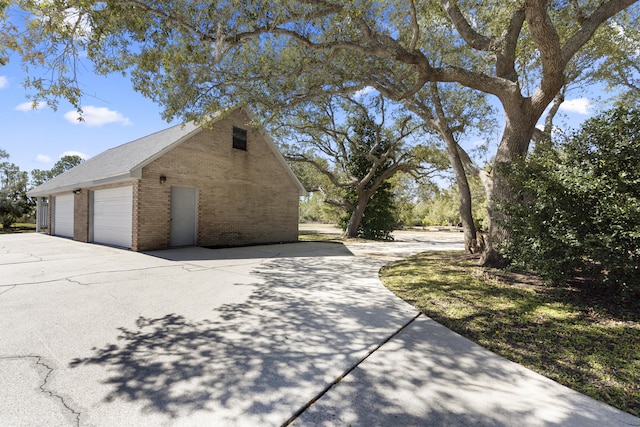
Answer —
(75, 19)
(4, 82)
(28, 106)
(578, 105)
(364, 91)
(43, 158)
(555, 130)
(96, 116)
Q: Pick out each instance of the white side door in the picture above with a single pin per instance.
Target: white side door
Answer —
(184, 207)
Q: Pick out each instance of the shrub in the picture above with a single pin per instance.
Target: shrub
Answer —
(379, 219)
(577, 205)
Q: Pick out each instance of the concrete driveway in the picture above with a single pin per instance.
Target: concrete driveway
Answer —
(93, 335)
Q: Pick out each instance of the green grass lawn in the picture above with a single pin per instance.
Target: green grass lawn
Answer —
(312, 236)
(576, 335)
(18, 228)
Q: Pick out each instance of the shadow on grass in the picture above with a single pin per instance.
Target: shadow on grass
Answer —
(571, 335)
(456, 382)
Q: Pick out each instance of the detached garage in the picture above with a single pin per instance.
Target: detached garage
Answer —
(224, 184)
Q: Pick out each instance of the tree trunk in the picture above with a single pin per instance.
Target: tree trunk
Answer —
(466, 214)
(441, 124)
(356, 217)
(520, 122)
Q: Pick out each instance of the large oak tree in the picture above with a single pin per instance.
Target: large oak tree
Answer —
(194, 56)
(357, 144)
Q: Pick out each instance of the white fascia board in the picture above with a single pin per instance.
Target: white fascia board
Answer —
(126, 177)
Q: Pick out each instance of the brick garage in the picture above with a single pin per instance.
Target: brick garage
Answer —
(225, 184)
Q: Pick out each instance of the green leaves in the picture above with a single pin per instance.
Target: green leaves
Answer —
(195, 57)
(578, 204)
(13, 187)
(39, 176)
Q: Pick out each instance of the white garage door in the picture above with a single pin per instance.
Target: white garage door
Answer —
(63, 215)
(112, 216)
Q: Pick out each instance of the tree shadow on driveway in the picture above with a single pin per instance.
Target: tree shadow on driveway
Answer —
(429, 376)
(287, 250)
(306, 321)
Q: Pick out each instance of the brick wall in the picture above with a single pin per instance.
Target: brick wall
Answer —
(244, 197)
(151, 213)
(81, 216)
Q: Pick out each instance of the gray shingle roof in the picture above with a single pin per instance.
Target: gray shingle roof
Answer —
(118, 163)
(126, 161)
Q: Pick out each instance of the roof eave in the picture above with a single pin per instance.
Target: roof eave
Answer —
(86, 184)
(136, 171)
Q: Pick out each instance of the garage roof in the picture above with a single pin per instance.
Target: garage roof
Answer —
(126, 161)
(118, 163)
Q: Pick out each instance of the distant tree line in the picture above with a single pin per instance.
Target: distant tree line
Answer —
(15, 205)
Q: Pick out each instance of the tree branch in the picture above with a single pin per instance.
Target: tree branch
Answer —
(555, 107)
(332, 177)
(339, 203)
(590, 24)
(506, 57)
(471, 37)
(415, 27)
(547, 41)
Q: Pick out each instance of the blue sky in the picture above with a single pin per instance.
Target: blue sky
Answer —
(114, 114)
(36, 139)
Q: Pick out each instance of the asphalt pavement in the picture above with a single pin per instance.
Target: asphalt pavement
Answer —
(302, 334)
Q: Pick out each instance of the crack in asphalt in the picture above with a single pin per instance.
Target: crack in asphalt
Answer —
(73, 279)
(194, 267)
(347, 372)
(10, 288)
(39, 361)
(191, 268)
(76, 282)
(9, 251)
